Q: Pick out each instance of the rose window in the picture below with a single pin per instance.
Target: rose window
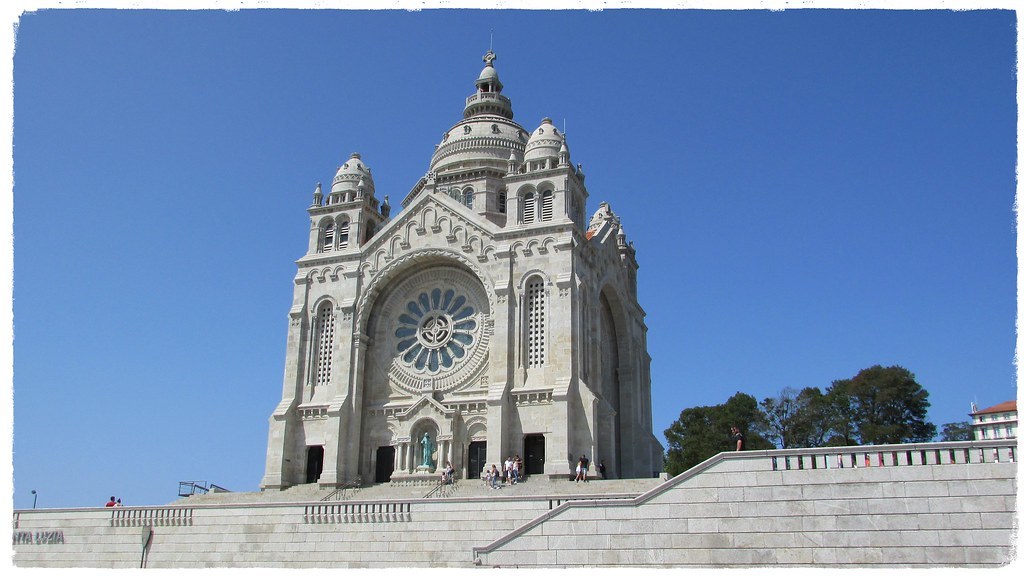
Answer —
(435, 330)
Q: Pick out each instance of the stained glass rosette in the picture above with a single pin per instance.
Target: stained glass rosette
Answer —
(435, 331)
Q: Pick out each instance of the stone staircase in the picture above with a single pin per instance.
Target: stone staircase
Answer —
(536, 486)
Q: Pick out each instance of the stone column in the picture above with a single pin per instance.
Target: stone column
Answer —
(353, 410)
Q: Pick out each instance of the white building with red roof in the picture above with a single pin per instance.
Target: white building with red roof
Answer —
(999, 421)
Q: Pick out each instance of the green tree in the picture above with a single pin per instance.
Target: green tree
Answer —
(840, 415)
(796, 419)
(817, 416)
(703, 431)
(885, 406)
(956, 431)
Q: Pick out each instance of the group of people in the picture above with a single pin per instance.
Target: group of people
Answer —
(582, 468)
(113, 502)
(513, 472)
(582, 471)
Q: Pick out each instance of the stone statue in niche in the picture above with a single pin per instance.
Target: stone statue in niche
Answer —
(428, 450)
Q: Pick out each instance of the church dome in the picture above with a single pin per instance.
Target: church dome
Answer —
(486, 136)
(488, 74)
(351, 175)
(545, 142)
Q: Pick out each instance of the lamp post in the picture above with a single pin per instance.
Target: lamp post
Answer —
(34, 498)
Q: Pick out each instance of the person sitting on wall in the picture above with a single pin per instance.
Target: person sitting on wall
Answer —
(113, 502)
(448, 474)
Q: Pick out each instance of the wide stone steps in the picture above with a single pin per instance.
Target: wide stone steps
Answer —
(534, 486)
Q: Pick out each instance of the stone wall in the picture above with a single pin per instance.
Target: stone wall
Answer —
(348, 534)
(914, 505)
(919, 505)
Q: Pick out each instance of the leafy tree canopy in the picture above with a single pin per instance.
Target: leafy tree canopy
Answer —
(956, 431)
(877, 406)
(886, 406)
(703, 431)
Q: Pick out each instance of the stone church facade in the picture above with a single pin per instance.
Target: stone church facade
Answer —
(489, 317)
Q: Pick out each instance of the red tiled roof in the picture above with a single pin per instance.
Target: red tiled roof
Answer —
(1008, 406)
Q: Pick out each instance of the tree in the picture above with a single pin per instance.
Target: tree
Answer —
(703, 431)
(885, 406)
(796, 419)
(840, 415)
(956, 431)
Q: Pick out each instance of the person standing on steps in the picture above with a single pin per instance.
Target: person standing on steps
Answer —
(495, 476)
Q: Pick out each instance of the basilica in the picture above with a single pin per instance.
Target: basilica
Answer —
(490, 316)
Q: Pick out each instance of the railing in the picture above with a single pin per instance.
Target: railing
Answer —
(443, 490)
(193, 487)
(160, 516)
(556, 502)
(370, 512)
(938, 453)
(488, 96)
(344, 492)
(976, 452)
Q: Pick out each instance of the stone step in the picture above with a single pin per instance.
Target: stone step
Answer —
(533, 486)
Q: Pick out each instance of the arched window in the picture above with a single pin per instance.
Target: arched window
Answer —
(536, 320)
(343, 235)
(323, 330)
(547, 201)
(467, 197)
(528, 207)
(502, 201)
(326, 238)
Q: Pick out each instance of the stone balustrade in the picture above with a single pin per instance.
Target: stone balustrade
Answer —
(909, 505)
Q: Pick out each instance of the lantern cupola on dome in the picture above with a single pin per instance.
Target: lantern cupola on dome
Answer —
(488, 98)
(351, 176)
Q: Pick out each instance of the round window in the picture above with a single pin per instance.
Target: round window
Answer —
(435, 330)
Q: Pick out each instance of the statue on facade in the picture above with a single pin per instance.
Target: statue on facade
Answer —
(428, 450)
(603, 214)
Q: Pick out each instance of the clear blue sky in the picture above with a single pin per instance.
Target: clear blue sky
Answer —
(810, 193)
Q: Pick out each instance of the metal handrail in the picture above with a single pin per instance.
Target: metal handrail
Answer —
(442, 489)
(334, 493)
